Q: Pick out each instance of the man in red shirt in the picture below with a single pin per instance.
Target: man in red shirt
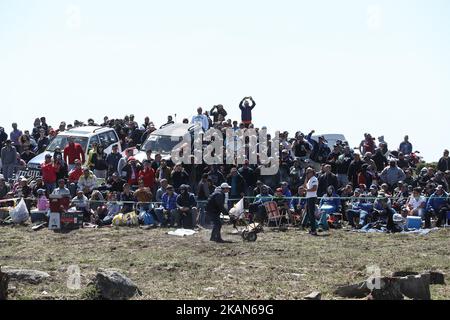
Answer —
(148, 175)
(49, 170)
(72, 152)
(76, 172)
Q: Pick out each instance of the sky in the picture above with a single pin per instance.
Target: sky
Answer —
(349, 66)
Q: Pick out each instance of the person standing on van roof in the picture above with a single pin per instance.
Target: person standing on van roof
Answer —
(72, 152)
(201, 119)
(246, 110)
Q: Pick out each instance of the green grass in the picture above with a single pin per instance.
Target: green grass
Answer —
(279, 265)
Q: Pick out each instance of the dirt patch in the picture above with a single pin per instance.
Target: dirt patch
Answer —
(279, 265)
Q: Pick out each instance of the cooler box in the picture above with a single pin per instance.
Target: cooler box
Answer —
(71, 220)
(38, 216)
(413, 222)
(56, 202)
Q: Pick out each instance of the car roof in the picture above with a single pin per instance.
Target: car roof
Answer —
(176, 129)
(85, 131)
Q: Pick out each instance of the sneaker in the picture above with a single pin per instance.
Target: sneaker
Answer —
(313, 233)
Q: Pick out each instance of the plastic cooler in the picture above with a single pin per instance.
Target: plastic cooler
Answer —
(413, 222)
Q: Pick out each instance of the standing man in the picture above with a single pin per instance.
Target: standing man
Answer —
(72, 152)
(406, 146)
(311, 185)
(15, 135)
(201, 119)
(444, 162)
(9, 159)
(214, 208)
(246, 110)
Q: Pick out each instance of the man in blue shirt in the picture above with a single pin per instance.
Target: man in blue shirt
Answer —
(167, 212)
(438, 204)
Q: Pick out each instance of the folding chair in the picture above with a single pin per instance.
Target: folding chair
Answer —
(273, 213)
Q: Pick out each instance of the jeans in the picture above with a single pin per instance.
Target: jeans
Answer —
(310, 212)
(8, 171)
(362, 214)
(186, 218)
(161, 215)
(203, 217)
(217, 226)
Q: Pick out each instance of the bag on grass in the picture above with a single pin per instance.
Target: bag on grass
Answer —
(146, 218)
(20, 213)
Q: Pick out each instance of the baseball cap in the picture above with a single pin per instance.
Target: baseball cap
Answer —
(225, 186)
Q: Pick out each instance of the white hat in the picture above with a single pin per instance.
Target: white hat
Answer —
(225, 186)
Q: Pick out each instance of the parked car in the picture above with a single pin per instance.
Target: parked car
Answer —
(85, 136)
(163, 141)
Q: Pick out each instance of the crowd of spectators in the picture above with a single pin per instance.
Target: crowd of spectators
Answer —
(361, 182)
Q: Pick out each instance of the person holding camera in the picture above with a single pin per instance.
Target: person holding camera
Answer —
(246, 110)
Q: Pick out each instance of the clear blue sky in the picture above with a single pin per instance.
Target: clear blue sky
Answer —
(336, 66)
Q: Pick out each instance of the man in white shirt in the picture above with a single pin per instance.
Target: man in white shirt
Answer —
(311, 185)
(416, 204)
(201, 119)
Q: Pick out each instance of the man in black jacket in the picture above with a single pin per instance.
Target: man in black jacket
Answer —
(444, 162)
(214, 207)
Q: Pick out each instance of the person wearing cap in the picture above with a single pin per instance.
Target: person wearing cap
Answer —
(438, 205)
(167, 211)
(49, 170)
(9, 159)
(22, 189)
(246, 110)
(187, 208)
(148, 175)
(132, 170)
(214, 207)
(87, 182)
(320, 150)
(72, 152)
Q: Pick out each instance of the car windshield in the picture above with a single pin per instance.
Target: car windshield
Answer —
(161, 144)
(61, 142)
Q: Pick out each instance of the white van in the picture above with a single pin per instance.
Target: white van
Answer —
(162, 141)
(85, 136)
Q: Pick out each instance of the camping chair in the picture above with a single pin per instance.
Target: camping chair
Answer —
(273, 213)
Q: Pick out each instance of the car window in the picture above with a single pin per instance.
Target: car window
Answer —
(107, 138)
(61, 142)
(94, 139)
